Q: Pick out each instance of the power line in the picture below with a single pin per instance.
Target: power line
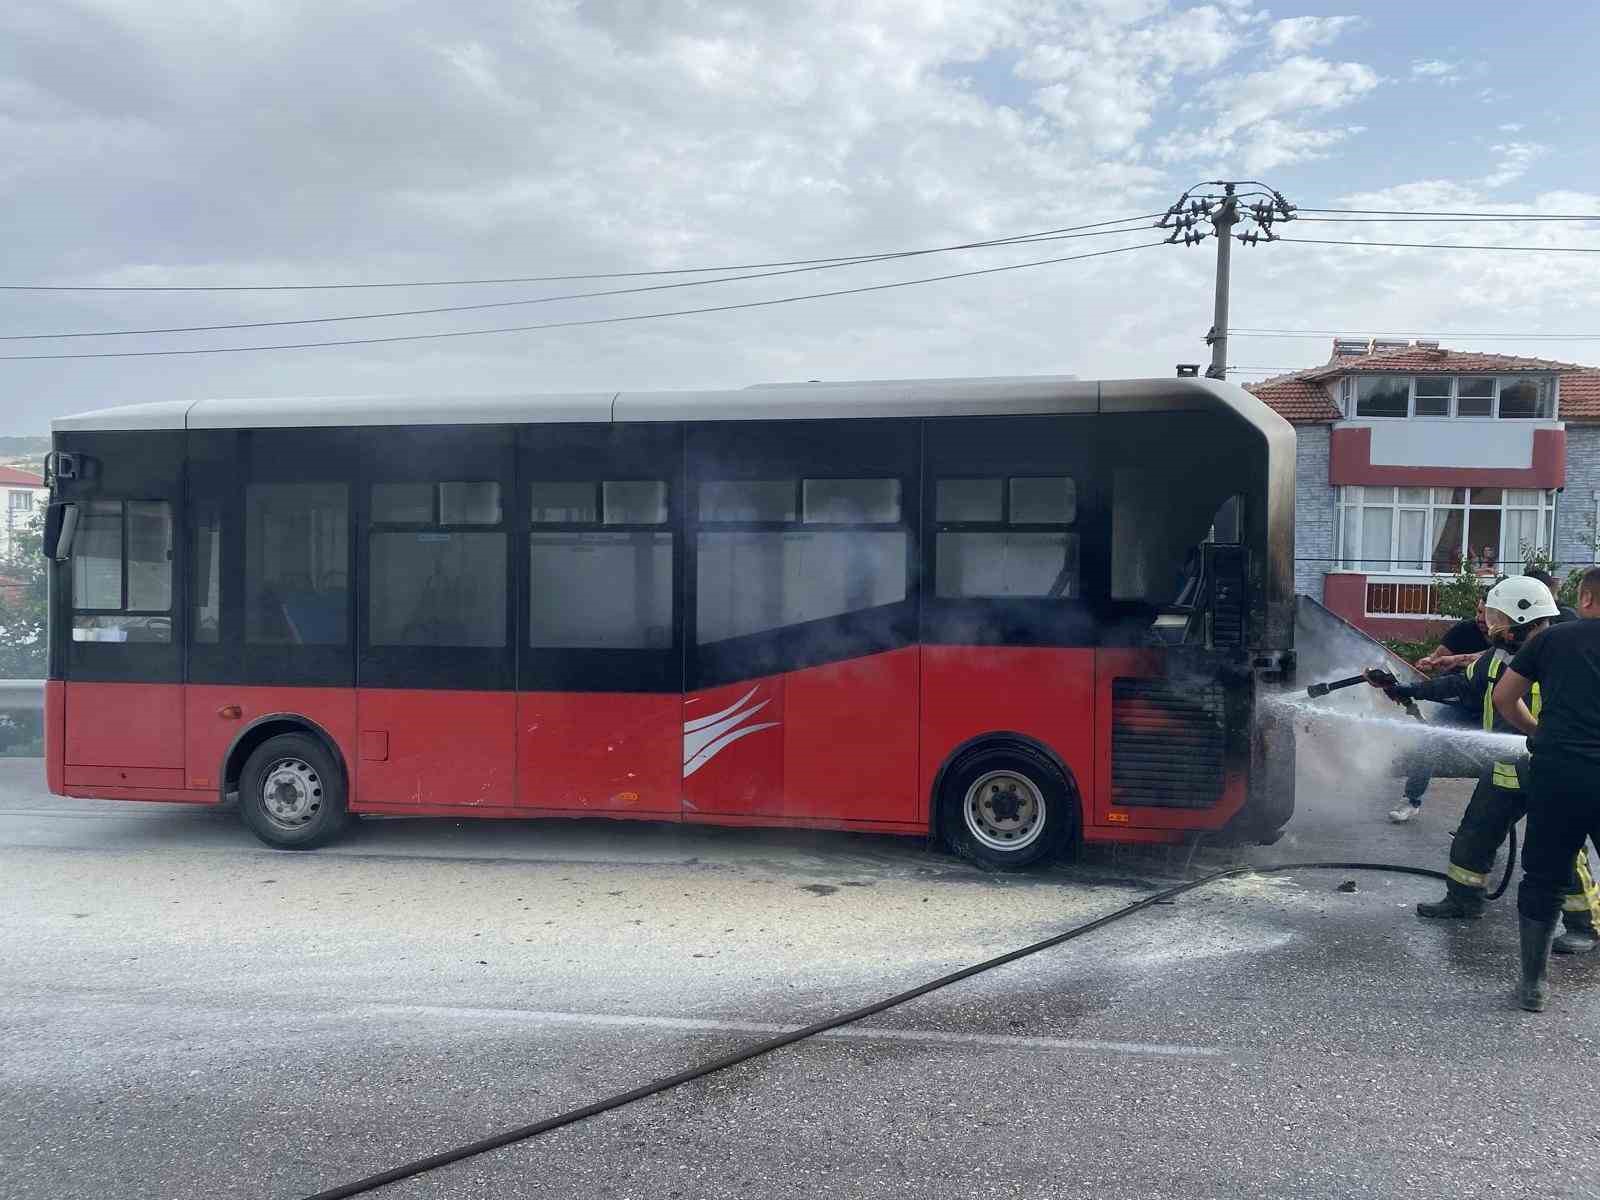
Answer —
(682, 312)
(453, 308)
(1421, 212)
(1491, 220)
(1022, 238)
(1442, 245)
(1252, 331)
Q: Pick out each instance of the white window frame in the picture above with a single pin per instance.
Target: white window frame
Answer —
(1350, 387)
(1353, 501)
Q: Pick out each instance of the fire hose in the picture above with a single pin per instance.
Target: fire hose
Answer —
(522, 1133)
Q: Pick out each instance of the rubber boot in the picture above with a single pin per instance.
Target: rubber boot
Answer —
(1456, 905)
(1576, 939)
(1533, 991)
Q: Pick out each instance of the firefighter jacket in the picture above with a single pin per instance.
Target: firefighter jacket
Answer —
(1475, 687)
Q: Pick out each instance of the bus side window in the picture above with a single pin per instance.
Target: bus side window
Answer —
(826, 547)
(122, 572)
(1007, 538)
(297, 564)
(206, 578)
(441, 580)
(599, 565)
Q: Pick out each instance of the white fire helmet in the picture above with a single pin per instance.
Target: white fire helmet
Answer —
(1521, 599)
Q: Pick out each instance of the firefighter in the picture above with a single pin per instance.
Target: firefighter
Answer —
(1518, 609)
(1562, 811)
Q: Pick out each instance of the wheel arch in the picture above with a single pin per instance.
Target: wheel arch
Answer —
(270, 726)
(998, 739)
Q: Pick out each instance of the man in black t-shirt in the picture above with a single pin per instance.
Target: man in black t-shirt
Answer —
(1564, 796)
(1461, 642)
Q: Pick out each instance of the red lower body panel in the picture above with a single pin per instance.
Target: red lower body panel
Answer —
(1044, 693)
(599, 753)
(216, 714)
(420, 749)
(850, 745)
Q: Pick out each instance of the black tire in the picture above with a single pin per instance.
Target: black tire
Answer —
(1025, 811)
(309, 809)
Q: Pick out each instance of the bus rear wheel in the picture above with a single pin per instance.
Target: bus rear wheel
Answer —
(1005, 808)
(292, 793)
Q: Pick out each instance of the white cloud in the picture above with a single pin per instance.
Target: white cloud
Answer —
(1295, 35)
(1515, 159)
(1435, 69)
(1260, 119)
(1103, 75)
(1509, 127)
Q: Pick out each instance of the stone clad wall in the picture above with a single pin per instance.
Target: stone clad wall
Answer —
(1575, 506)
(1316, 508)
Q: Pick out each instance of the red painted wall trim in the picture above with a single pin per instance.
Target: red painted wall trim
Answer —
(1350, 462)
(1345, 594)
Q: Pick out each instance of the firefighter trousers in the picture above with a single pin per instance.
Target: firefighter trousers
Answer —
(1490, 814)
(1563, 810)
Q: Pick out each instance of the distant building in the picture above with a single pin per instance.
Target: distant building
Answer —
(1413, 459)
(25, 498)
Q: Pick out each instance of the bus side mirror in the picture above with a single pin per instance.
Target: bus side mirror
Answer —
(60, 523)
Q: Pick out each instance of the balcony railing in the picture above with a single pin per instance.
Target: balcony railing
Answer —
(1402, 599)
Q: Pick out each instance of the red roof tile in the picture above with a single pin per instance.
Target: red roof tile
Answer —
(1580, 395)
(12, 477)
(1296, 399)
(1423, 360)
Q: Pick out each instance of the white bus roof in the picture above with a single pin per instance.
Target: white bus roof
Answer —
(793, 401)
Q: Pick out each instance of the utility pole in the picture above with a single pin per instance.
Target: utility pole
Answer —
(1222, 223)
(1224, 212)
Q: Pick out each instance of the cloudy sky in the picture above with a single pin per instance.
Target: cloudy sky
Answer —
(170, 142)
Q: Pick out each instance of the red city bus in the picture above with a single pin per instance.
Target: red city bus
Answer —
(1007, 613)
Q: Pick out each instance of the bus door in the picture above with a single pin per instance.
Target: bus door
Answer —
(270, 565)
(436, 666)
(804, 668)
(600, 658)
(118, 635)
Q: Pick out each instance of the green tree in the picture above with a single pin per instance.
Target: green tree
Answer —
(24, 606)
(1459, 593)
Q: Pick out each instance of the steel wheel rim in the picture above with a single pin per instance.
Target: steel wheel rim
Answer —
(291, 793)
(1004, 810)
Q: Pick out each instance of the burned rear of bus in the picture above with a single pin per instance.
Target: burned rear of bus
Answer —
(1012, 612)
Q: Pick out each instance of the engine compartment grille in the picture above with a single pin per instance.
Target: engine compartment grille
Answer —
(1168, 745)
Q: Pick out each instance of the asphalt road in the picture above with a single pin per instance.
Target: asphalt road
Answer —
(184, 1013)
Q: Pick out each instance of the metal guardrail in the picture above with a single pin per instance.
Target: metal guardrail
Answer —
(21, 695)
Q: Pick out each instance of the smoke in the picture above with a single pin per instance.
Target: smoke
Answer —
(1355, 744)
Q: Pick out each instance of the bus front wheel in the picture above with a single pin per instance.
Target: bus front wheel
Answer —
(1007, 808)
(292, 793)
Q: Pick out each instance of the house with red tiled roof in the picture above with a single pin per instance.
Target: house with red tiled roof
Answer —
(1413, 459)
(25, 498)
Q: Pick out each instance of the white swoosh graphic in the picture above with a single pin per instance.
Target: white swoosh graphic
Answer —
(702, 722)
(711, 751)
(694, 742)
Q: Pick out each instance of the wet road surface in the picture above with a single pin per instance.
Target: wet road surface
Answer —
(184, 1012)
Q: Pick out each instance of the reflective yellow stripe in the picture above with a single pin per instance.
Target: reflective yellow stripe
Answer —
(1468, 878)
(1505, 776)
(1497, 660)
(1488, 692)
(1577, 902)
(1591, 894)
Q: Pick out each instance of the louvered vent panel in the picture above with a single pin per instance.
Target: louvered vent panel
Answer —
(1228, 564)
(1167, 744)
